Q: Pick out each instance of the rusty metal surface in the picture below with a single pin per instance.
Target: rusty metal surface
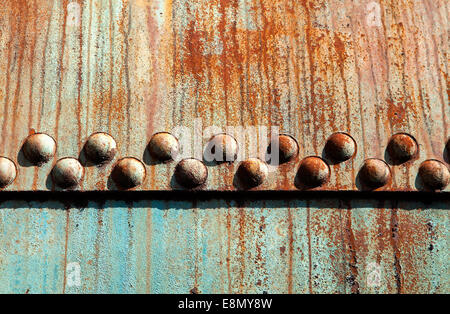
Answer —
(224, 246)
(134, 68)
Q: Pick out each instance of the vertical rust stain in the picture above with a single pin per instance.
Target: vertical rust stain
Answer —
(395, 247)
(340, 50)
(229, 247)
(242, 246)
(310, 46)
(381, 230)
(31, 62)
(291, 249)
(80, 78)
(20, 18)
(65, 248)
(148, 246)
(353, 262)
(308, 232)
(61, 70)
(111, 63)
(20, 31)
(100, 212)
(152, 96)
(196, 244)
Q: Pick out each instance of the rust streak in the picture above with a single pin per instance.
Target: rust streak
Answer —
(395, 247)
(291, 249)
(65, 248)
(353, 263)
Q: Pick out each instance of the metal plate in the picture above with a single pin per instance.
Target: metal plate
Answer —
(346, 245)
(312, 68)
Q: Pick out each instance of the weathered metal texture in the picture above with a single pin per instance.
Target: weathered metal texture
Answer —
(137, 67)
(222, 246)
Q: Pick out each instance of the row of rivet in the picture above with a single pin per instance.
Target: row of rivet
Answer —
(313, 171)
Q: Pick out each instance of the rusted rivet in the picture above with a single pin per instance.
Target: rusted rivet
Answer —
(434, 174)
(67, 173)
(128, 173)
(287, 148)
(223, 148)
(39, 148)
(313, 172)
(163, 146)
(100, 148)
(402, 147)
(252, 172)
(191, 173)
(375, 173)
(8, 172)
(340, 147)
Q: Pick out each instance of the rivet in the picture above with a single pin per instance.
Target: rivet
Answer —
(100, 148)
(313, 172)
(67, 173)
(163, 146)
(252, 172)
(223, 148)
(340, 147)
(402, 147)
(375, 173)
(128, 173)
(8, 172)
(434, 174)
(287, 148)
(39, 148)
(191, 173)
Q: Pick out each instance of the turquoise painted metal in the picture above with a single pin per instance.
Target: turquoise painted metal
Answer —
(225, 246)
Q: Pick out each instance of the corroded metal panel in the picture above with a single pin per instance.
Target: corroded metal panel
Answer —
(134, 68)
(311, 68)
(224, 246)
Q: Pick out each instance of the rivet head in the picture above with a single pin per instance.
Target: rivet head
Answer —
(434, 174)
(224, 148)
(191, 173)
(8, 172)
(67, 173)
(287, 148)
(39, 148)
(375, 173)
(252, 172)
(128, 173)
(100, 148)
(313, 172)
(402, 147)
(340, 147)
(163, 146)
